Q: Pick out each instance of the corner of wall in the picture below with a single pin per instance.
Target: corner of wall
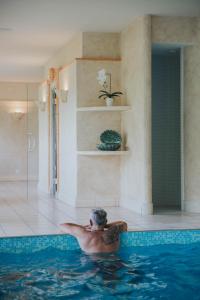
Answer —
(71, 50)
(136, 124)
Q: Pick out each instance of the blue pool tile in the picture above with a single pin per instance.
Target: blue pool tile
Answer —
(128, 239)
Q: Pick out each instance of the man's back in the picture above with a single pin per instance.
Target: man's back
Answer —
(97, 241)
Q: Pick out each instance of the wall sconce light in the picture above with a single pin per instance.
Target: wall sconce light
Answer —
(43, 97)
(18, 115)
(63, 95)
(42, 104)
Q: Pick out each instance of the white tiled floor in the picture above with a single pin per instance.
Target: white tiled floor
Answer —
(41, 214)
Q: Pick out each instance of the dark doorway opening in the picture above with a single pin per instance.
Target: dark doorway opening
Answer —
(166, 128)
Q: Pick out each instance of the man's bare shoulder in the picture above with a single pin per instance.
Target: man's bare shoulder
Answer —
(111, 235)
(76, 230)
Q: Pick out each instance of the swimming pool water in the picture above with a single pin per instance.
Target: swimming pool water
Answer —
(144, 272)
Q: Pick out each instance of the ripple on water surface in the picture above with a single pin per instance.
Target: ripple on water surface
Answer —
(155, 272)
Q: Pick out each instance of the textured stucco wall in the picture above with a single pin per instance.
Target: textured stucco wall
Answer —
(87, 84)
(85, 44)
(87, 128)
(66, 54)
(43, 183)
(135, 43)
(68, 138)
(178, 30)
(86, 181)
(192, 124)
(98, 178)
(91, 124)
(101, 44)
(136, 124)
(98, 181)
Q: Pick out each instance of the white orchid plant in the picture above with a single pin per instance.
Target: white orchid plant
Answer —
(103, 81)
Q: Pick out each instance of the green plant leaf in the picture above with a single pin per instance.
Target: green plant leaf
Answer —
(109, 95)
(103, 91)
(103, 95)
(117, 93)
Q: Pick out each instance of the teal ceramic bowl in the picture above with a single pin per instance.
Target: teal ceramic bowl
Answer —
(108, 147)
(110, 137)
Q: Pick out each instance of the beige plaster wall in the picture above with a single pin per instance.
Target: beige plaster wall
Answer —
(85, 44)
(98, 181)
(13, 144)
(15, 91)
(43, 182)
(81, 131)
(179, 30)
(13, 133)
(136, 124)
(192, 124)
(84, 180)
(92, 185)
(101, 44)
(68, 138)
(66, 54)
(99, 176)
(87, 84)
(33, 140)
(33, 131)
(90, 125)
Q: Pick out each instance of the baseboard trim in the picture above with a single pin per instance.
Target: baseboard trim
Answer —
(192, 206)
(141, 208)
(15, 179)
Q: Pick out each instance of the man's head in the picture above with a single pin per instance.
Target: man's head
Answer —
(98, 218)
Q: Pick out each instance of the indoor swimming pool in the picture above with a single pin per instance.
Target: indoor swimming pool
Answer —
(149, 265)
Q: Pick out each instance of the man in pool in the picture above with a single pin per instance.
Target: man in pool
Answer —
(98, 237)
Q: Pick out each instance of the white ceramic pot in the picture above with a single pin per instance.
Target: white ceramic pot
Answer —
(109, 101)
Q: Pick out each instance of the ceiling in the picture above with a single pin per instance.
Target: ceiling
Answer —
(31, 31)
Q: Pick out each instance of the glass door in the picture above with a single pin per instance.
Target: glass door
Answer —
(32, 141)
(13, 146)
(42, 140)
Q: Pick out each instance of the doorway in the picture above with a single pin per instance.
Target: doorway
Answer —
(166, 128)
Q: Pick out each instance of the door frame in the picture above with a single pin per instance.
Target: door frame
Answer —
(53, 84)
(182, 182)
(182, 126)
(54, 141)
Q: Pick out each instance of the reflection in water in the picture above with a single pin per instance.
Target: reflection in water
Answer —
(67, 274)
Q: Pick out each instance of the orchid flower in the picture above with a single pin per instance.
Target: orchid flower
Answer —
(102, 77)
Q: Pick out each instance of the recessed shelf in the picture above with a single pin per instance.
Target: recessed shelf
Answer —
(105, 108)
(103, 153)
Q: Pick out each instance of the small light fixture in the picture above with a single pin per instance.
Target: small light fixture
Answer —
(43, 96)
(63, 95)
(42, 104)
(18, 115)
